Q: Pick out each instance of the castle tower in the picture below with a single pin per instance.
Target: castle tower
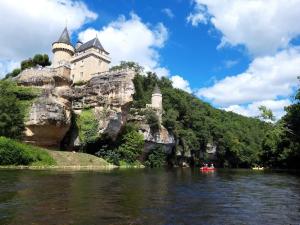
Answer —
(62, 49)
(156, 100)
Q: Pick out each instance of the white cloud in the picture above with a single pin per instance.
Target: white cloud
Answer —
(252, 110)
(168, 12)
(7, 66)
(30, 26)
(199, 15)
(266, 78)
(263, 26)
(179, 82)
(230, 63)
(132, 40)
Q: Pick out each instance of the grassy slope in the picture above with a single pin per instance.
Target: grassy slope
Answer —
(77, 159)
(16, 153)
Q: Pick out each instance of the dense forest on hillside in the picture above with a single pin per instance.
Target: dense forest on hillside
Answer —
(240, 141)
(196, 124)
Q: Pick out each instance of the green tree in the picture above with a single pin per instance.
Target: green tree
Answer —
(42, 60)
(14, 73)
(88, 127)
(152, 120)
(266, 113)
(156, 158)
(131, 147)
(27, 63)
(128, 65)
(11, 117)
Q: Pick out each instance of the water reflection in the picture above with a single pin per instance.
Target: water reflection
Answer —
(135, 196)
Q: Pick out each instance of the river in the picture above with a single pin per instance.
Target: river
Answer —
(149, 196)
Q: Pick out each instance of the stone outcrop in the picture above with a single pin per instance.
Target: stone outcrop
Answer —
(49, 120)
(152, 136)
(49, 116)
(161, 136)
(108, 94)
(113, 89)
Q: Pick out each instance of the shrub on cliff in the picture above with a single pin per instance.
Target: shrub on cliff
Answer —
(16, 153)
(156, 158)
(152, 120)
(87, 126)
(127, 148)
(11, 117)
(132, 146)
(15, 102)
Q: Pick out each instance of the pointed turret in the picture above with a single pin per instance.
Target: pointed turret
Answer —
(62, 49)
(64, 37)
(156, 90)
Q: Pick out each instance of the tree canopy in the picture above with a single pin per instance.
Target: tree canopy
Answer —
(38, 59)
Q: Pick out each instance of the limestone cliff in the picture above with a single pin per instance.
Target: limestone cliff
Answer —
(107, 94)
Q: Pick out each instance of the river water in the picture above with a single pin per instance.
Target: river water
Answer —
(149, 196)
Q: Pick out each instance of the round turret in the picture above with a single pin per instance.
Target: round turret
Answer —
(156, 100)
(62, 49)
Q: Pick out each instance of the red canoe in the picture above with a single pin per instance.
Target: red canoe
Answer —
(207, 169)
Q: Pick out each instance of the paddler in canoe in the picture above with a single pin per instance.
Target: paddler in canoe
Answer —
(205, 167)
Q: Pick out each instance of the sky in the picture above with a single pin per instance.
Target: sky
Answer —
(234, 54)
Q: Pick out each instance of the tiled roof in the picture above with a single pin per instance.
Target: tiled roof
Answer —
(64, 37)
(92, 43)
(156, 90)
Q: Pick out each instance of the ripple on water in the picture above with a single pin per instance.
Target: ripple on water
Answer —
(176, 196)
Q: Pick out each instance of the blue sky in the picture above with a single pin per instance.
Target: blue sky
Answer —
(189, 51)
(234, 54)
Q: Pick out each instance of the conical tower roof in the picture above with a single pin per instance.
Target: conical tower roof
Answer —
(156, 90)
(64, 37)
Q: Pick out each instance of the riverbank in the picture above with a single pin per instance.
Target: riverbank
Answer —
(68, 161)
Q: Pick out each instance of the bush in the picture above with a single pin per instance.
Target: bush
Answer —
(111, 156)
(156, 158)
(88, 127)
(132, 146)
(16, 153)
(152, 120)
(15, 103)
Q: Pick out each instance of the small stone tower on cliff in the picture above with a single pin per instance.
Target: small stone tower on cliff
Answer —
(62, 49)
(156, 101)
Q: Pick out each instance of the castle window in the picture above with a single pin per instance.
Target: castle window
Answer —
(99, 62)
(81, 75)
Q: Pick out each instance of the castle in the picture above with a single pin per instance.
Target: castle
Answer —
(78, 79)
(82, 61)
(85, 60)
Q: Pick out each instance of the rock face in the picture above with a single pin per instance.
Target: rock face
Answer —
(153, 137)
(48, 122)
(108, 94)
(50, 114)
